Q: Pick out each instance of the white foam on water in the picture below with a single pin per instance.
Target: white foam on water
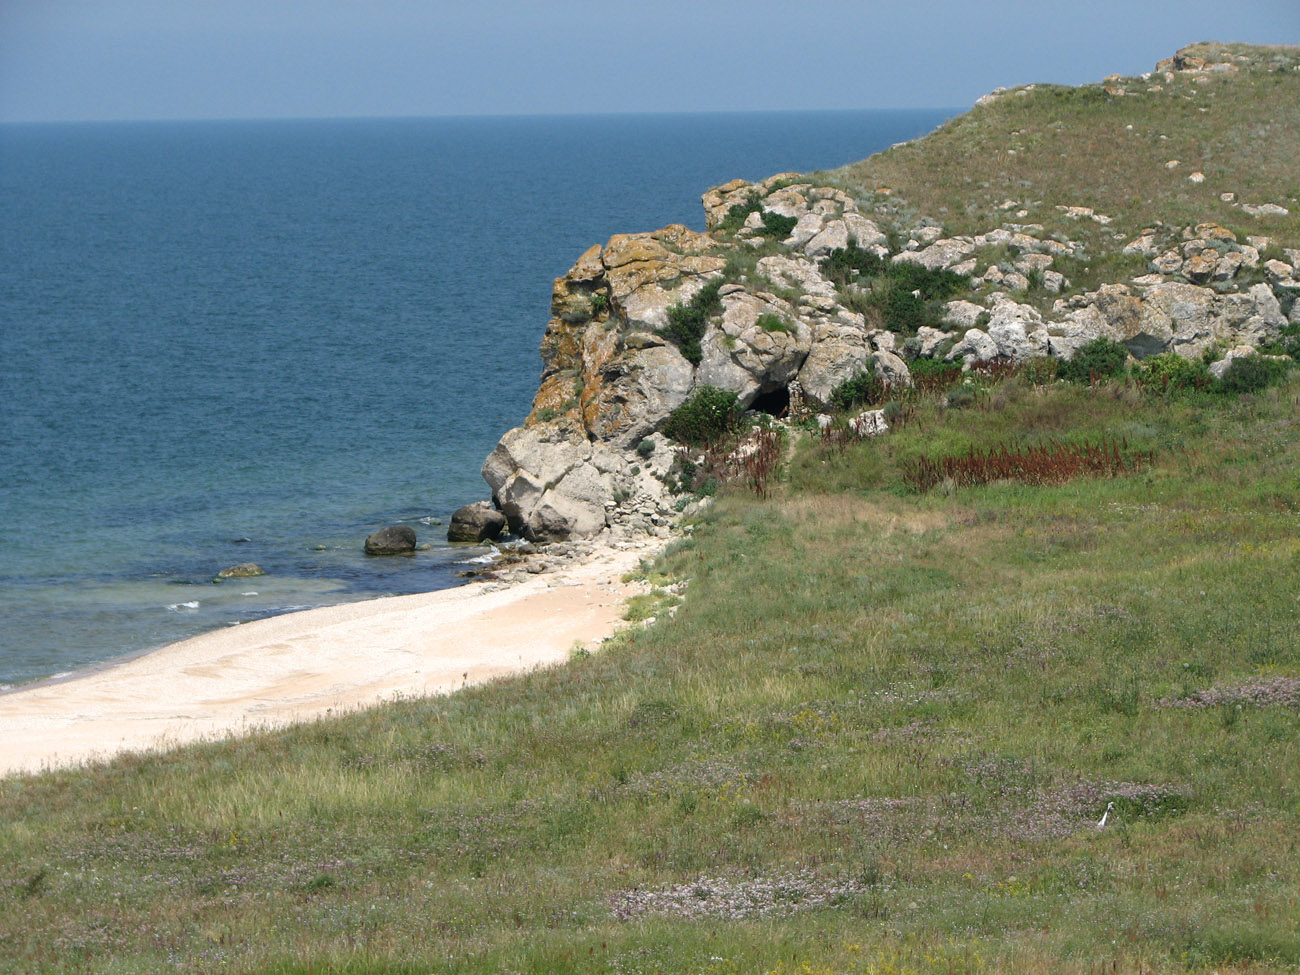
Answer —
(483, 559)
(177, 607)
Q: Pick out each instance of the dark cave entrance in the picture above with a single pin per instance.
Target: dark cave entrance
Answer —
(774, 402)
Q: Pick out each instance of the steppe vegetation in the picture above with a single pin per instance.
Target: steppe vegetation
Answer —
(1126, 148)
(865, 722)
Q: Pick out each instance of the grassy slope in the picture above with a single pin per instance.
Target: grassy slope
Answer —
(875, 737)
(1053, 146)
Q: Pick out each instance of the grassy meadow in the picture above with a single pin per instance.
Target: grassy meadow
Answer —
(876, 735)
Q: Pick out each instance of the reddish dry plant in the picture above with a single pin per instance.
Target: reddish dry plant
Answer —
(752, 461)
(1051, 463)
(759, 464)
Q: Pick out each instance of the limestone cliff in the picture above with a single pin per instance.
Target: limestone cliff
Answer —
(818, 281)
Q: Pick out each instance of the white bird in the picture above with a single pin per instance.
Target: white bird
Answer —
(1109, 807)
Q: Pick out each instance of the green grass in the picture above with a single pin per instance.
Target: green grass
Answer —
(889, 719)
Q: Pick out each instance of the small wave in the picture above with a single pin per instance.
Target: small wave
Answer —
(177, 607)
(429, 520)
(483, 559)
(249, 594)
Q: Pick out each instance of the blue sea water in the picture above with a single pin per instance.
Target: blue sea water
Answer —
(259, 341)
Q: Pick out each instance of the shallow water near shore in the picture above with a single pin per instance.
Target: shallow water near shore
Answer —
(224, 342)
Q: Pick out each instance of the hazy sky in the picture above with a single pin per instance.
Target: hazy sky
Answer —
(152, 59)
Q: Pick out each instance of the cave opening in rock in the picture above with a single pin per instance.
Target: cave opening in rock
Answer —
(774, 402)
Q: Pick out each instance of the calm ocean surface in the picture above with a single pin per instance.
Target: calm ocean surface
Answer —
(259, 341)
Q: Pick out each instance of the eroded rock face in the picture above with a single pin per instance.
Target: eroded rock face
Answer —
(746, 358)
(590, 456)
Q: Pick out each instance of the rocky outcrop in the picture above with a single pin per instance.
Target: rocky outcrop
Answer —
(590, 456)
(393, 540)
(1167, 317)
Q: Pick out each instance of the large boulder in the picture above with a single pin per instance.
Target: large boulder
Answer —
(393, 540)
(548, 485)
(838, 352)
(975, 346)
(476, 522)
(940, 254)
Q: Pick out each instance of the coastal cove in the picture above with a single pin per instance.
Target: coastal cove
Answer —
(230, 342)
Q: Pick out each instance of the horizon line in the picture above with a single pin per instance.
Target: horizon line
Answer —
(468, 115)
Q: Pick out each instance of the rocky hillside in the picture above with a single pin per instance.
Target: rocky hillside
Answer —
(1157, 211)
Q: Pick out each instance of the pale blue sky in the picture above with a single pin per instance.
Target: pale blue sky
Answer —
(159, 59)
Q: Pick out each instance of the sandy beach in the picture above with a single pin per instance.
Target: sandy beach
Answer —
(300, 666)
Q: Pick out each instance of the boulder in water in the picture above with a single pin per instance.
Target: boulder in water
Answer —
(476, 523)
(245, 570)
(393, 540)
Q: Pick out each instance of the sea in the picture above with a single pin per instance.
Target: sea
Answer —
(259, 341)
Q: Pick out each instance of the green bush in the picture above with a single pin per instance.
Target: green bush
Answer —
(777, 226)
(1288, 343)
(1170, 371)
(1251, 373)
(707, 415)
(773, 323)
(960, 398)
(864, 389)
(1040, 370)
(927, 368)
(774, 225)
(738, 214)
(686, 323)
(903, 295)
(838, 266)
(645, 448)
(1101, 358)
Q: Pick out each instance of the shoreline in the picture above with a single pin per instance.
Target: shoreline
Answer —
(296, 667)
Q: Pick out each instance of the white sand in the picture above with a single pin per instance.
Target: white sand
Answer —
(299, 666)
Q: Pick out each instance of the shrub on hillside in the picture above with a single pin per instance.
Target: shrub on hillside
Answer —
(1170, 371)
(705, 417)
(1101, 358)
(777, 226)
(686, 323)
(1288, 343)
(774, 225)
(773, 323)
(1251, 373)
(864, 389)
(934, 375)
(902, 295)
